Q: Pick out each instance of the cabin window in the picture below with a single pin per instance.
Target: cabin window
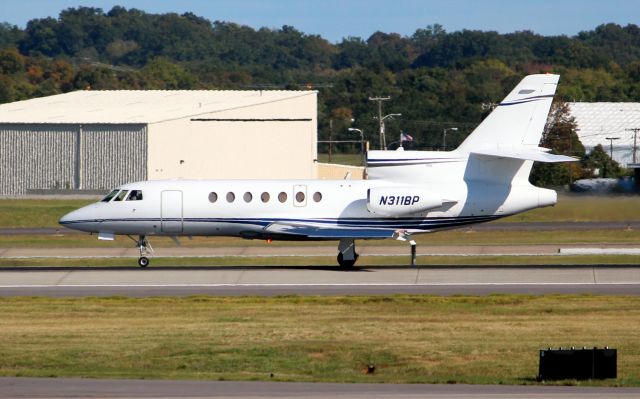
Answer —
(135, 195)
(110, 196)
(317, 196)
(247, 197)
(231, 197)
(213, 197)
(282, 197)
(121, 195)
(265, 197)
(299, 196)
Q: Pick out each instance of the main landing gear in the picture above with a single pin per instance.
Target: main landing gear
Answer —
(347, 255)
(145, 250)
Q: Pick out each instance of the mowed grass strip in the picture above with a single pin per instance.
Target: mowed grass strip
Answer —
(409, 339)
(584, 208)
(311, 261)
(26, 213)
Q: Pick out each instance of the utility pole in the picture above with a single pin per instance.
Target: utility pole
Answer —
(383, 142)
(635, 131)
(611, 145)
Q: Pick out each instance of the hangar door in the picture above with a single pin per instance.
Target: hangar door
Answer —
(36, 156)
(70, 156)
(112, 155)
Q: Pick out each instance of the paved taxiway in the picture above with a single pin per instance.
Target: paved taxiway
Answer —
(261, 280)
(75, 387)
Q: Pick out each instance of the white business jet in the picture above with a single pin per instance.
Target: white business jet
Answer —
(406, 193)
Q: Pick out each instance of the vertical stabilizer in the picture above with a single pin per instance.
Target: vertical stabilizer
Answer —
(518, 121)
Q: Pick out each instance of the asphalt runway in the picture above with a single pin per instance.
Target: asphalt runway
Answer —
(76, 387)
(269, 281)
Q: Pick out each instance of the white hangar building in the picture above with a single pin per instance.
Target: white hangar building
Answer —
(94, 140)
(597, 121)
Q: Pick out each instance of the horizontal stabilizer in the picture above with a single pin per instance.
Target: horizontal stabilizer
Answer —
(311, 231)
(527, 154)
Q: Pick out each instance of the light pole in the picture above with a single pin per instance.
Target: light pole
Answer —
(444, 136)
(383, 141)
(379, 117)
(353, 129)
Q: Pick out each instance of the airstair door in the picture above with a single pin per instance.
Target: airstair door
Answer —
(171, 214)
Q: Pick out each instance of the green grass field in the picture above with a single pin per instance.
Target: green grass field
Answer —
(578, 208)
(341, 159)
(409, 339)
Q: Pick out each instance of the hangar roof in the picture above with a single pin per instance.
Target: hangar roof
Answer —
(136, 106)
(599, 120)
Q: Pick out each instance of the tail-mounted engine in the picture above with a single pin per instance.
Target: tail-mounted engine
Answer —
(401, 201)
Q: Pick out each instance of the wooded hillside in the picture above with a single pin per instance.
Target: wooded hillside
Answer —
(436, 79)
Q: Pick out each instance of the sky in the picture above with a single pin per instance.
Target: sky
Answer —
(337, 19)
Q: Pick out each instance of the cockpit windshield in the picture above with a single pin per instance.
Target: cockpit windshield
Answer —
(110, 195)
(135, 195)
(121, 195)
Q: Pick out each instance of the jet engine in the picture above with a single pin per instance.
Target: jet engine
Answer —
(401, 201)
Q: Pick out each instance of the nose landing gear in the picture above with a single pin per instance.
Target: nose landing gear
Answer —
(145, 250)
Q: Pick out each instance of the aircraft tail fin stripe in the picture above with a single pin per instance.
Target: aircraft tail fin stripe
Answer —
(519, 119)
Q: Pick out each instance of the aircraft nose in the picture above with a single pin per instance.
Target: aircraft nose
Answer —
(75, 219)
(68, 218)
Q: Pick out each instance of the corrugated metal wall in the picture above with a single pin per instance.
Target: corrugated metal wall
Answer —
(70, 157)
(33, 156)
(118, 150)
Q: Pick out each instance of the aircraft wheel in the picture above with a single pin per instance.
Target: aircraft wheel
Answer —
(346, 263)
(143, 261)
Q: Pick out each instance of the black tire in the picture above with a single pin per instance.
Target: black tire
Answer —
(143, 261)
(346, 263)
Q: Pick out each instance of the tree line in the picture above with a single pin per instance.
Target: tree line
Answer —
(436, 79)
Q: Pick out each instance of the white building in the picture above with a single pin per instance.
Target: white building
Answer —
(597, 121)
(95, 140)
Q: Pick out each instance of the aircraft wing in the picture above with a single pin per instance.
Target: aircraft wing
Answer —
(315, 231)
(527, 154)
